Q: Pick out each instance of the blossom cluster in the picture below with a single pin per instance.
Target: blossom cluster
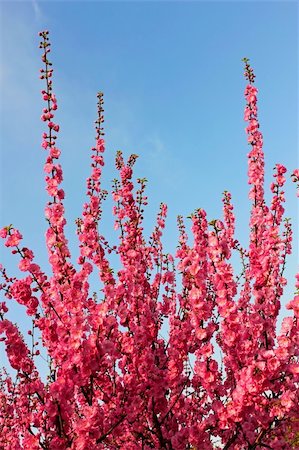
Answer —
(135, 365)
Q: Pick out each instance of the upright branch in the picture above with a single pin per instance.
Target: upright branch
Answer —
(57, 244)
(93, 245)
(259, 251)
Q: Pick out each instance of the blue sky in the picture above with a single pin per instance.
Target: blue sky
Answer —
(173, 82)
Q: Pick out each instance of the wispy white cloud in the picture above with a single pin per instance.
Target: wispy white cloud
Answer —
(38, 13)
(18, 66)
(160, 160)
(20, 58)
(157, 148)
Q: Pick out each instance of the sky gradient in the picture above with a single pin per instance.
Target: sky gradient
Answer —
(173, 82)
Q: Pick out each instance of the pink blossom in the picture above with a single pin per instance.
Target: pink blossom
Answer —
(13, 239)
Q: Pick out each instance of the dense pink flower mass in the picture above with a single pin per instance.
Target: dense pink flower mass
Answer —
(114, 381)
